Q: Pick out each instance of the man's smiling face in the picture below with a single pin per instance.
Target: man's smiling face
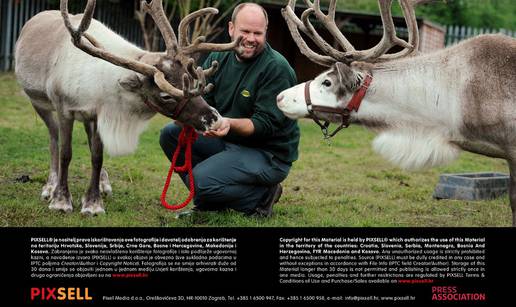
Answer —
(250, 23)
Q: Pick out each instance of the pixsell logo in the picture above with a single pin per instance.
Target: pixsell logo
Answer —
(60, 294)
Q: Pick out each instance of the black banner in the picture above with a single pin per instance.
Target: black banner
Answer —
(257, 266)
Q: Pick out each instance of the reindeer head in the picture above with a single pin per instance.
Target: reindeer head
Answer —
(331, 89)
(158, 77)
(330, 94)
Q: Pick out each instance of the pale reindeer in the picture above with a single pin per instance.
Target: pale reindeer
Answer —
(75, 79)
(426, 108)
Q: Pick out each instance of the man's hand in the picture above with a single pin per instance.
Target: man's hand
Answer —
(238, 126)
(221, 131)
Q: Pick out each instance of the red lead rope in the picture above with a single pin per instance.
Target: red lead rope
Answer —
(186, 138)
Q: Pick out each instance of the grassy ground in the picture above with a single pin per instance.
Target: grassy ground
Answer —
(339, 184)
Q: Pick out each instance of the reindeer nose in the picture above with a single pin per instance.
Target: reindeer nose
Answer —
(279, 98)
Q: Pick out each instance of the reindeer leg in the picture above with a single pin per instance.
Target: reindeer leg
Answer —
(512, 190)
(92, 201)
(53, 131)
(61, 197)
(105, 185)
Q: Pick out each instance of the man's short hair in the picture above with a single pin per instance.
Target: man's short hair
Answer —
(239, 7)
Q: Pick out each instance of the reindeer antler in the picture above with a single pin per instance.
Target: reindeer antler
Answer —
(95, 49)
(389, 38)
(199, 43)
(156, 11)
(349, 54)
(174, 50)
(329, 22)
(294, 25)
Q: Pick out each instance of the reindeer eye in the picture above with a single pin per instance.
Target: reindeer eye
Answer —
(326, 83)
(165, 96)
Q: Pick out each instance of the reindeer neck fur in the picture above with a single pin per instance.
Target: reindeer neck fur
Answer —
(416, 110)
(120, 130)
(121, 115)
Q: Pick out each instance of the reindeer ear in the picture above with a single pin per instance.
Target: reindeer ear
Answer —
(362, 66)
(343, 71)
(345, 75)
(131, 83)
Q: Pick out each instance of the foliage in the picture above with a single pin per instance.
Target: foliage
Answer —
(342, 184)
(475, 13)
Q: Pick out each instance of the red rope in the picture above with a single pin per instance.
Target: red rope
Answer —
(186, 138)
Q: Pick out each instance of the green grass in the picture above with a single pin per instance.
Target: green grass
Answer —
(343, 183)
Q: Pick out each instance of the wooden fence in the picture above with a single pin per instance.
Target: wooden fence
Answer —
(116, 14)
(455, 34)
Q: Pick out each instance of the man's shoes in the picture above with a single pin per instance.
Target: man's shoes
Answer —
(265, 209)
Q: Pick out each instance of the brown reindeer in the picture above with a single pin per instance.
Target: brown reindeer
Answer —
(426, 108)
(75, 79)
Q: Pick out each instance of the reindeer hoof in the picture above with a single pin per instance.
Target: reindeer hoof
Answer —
(105, 189)
(105, 185)
(48, 189)
(46, 194)
(64, 205)
(92, 211)
(92, 207)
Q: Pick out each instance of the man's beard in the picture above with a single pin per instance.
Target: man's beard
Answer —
(243, 56)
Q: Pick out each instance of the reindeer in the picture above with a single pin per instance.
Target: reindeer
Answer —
(111, 86)
(426, 108)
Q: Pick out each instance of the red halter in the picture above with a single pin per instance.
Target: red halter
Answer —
(352, 105)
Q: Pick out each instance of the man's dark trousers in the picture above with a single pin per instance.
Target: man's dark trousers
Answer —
(227, 175)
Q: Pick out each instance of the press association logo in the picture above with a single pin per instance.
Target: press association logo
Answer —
(453, 293)
(60, 294)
